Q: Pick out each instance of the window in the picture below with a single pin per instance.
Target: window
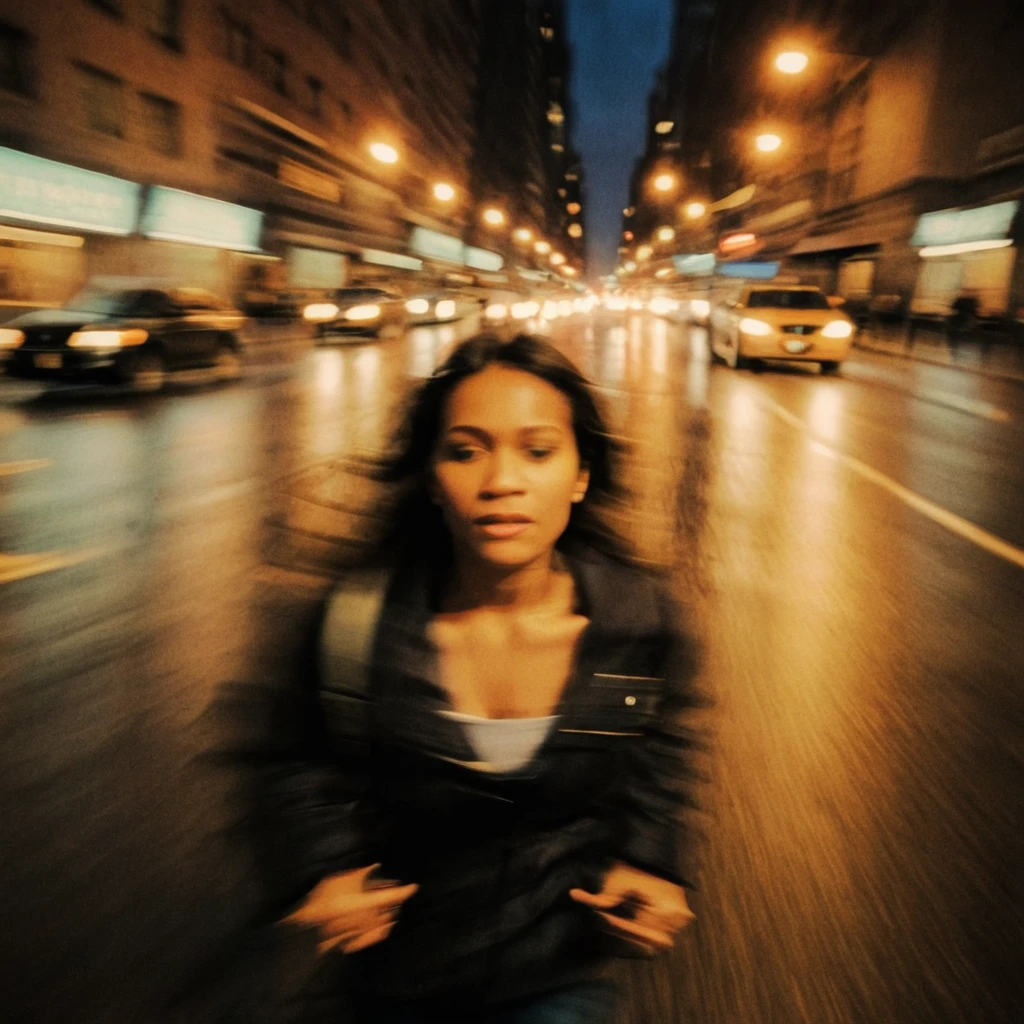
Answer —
(238, 42)
(162, 124)
(315, 103)
(276, 71)
(161, 17)
(15, 60)
(102, 100)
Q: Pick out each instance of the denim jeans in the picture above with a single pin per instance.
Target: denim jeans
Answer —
(586, 1003)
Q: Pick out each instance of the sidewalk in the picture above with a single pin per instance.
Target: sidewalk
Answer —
(987, 356)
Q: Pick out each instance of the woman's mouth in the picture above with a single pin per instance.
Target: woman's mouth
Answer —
(502, 527)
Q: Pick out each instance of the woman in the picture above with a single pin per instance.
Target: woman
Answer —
(487, 802)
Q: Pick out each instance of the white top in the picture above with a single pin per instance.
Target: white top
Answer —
(504, 744)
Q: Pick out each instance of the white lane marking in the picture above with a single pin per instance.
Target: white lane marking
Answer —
(971, 406)
(19, 567)
(24, 466)
(952, 522)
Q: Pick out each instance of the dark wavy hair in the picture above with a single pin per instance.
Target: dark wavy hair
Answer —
(412, 524)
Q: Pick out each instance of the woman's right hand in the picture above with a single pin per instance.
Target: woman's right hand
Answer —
(349, 913)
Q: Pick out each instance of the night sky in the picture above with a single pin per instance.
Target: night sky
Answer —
(618, 45)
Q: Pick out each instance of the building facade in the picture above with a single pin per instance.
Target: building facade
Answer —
(238, 138)
(898, 161)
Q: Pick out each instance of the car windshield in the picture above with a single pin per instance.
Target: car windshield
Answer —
(778, 299)
(106, 303)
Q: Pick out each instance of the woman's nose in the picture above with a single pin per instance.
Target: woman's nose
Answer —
(504, 475)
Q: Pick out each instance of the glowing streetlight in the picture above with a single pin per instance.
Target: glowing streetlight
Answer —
(769, 142)
(444, 192)
(629, 211)
(574, 208)
(575, 231)
(523, 235)
(664, 127)
(694, 211)
(666, 234)
(557, 259)
(665, 182)
(644, 252)
(570, 271)
(493, 217)
(384, 153)
(792, 62)
(542, 247)
(628, 236)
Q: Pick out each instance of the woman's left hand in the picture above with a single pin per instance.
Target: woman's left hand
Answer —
(657, 909)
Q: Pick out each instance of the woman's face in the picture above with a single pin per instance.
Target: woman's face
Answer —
(506, 469)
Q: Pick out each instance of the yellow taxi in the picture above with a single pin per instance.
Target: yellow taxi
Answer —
(791, 322)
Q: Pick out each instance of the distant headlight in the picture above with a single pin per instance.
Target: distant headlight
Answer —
(417, 307)
(496, 311)
(748, 325)
(320, 311)
(700, 307)
(565, 307)
(363, 312)
(107, 339)
(10, 338)
(616, 302)
(444, 309)
(837, 329)
(661, 305)
(525, 310)
(550, 310)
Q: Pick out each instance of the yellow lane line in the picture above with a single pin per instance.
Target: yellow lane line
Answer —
(950, 520)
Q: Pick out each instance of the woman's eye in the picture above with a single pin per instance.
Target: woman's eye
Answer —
(539, 452)
(463, 454)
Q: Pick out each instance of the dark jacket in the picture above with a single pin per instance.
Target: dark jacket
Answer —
(386, 779)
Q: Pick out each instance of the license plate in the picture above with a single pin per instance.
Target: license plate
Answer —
(796, 346)
(48, 361)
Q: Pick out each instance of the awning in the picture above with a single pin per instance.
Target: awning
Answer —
(854, 238)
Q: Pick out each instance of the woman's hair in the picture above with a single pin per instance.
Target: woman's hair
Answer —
(410, 523)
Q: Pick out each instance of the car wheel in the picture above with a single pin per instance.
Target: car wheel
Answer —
(146, 373)
(227, 365)
(830, 366)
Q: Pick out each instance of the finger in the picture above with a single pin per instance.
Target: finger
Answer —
(354, 924)
(368, 939)
(350, 905)
(393, 896)
(645, 935)
(328, 944)
(600, 900)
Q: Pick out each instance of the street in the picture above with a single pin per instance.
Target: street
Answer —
(851, 548)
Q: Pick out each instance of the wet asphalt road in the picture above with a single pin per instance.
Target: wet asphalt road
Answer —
(851, 548)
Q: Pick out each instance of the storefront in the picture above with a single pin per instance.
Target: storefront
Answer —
(51, 215)
(965, 252)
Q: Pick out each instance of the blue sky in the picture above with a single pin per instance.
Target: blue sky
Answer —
(618, 45)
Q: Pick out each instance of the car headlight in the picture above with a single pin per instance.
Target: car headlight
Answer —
(417, 307)
(748, 325)
(362, 313)
(107, 339)
(700, 307)
(550, 310)
(10, 338)
(496, 311)
(837, 329)
(444, 309)
(525, 310)
(318, 312)
(660, 305)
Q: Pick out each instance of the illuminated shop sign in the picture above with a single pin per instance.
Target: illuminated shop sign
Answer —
(436, 245)
(174, 216)
(737, 242)
(391, 259)
(46, 192)
(954, 227)
(483, 259)
(695, 263)
(750, 269)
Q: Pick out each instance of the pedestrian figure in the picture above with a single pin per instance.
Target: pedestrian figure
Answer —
(482, 801)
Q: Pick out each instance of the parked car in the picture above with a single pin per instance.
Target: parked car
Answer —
(780, 322)
(135, 337)
(358, 311)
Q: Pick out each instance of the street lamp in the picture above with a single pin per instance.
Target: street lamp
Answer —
(444, 192)
(792, 62)
(694, 211)
(665, 182)
(493, 217)
(666, 234)
(542, 247)
(557, 259)
(575, 231)
(523, 235)
(768, 142)
(644, 252)
(573, 208)
(384, 153)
